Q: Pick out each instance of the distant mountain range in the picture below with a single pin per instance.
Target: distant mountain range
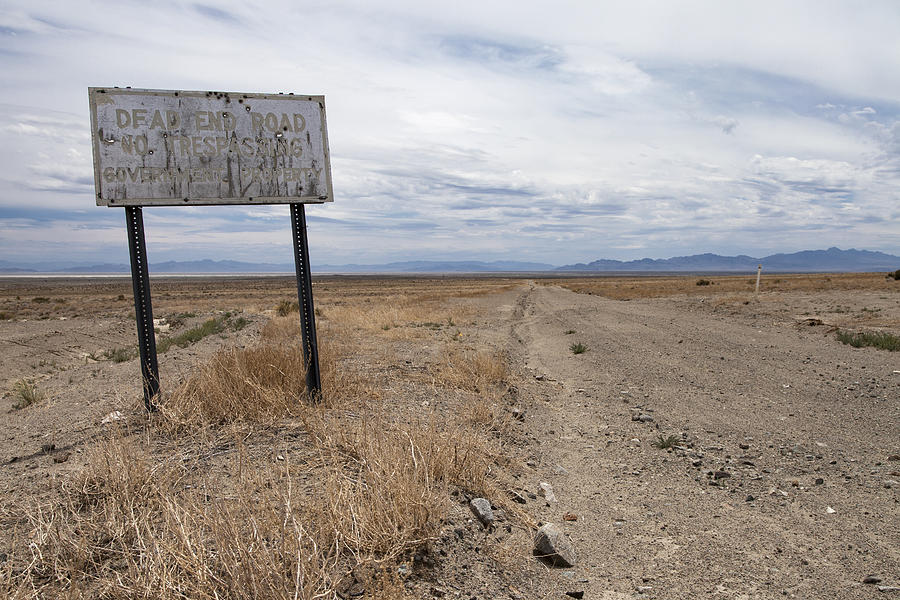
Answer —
(833, 259)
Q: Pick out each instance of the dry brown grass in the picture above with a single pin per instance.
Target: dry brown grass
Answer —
(481, 371)
(398, 317)
(134, 526)
(253, 294)
(157, 515)
(627, 288)
(240, 385)
(484, 376)
(388, 487)
(343, 382)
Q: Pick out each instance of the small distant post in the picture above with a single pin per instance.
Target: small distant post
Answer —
(758, 273)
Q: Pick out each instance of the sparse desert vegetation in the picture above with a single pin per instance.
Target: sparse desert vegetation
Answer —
(25, 392)
(666, 442)
(875, 339)
(244, 473)
(578, 348)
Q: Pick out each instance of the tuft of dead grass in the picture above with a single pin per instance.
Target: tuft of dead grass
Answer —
(240, 385)
(400, 316)
(130, 526)
(341, 382)
(26, 393)
(388, 485)
(480, 371)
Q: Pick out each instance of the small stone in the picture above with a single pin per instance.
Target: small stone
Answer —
(819, 481)
(517, 497)
(518, 414)
(744, 446)
(482, 509)
(547, 492)
(888, 588)
(697, 462)
(721, 475)
(830, 510)
(350, 588)
(112, 417)
(552, 545)
(893, 457)
(642, 418)
(889, 483)
(749, 498)
(872, 579)
(61, 457)
(570, 517)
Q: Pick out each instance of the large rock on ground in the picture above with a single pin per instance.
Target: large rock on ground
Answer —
(552, 545)
(482, 509)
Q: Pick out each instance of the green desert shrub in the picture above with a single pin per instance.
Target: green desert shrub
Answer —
(876, 339)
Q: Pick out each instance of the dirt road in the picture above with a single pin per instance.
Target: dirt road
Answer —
(780, 482)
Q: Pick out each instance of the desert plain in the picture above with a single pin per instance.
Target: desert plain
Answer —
(690, 437)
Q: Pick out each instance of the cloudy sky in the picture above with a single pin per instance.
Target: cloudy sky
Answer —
(540, 131)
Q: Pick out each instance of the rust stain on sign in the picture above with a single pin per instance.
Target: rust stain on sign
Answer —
(158, 147)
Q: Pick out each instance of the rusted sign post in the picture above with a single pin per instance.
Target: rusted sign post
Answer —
(194, 148)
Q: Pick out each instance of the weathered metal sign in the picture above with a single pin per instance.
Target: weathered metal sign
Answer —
(156, 147)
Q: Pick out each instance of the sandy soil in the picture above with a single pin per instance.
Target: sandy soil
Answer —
(781, 482)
